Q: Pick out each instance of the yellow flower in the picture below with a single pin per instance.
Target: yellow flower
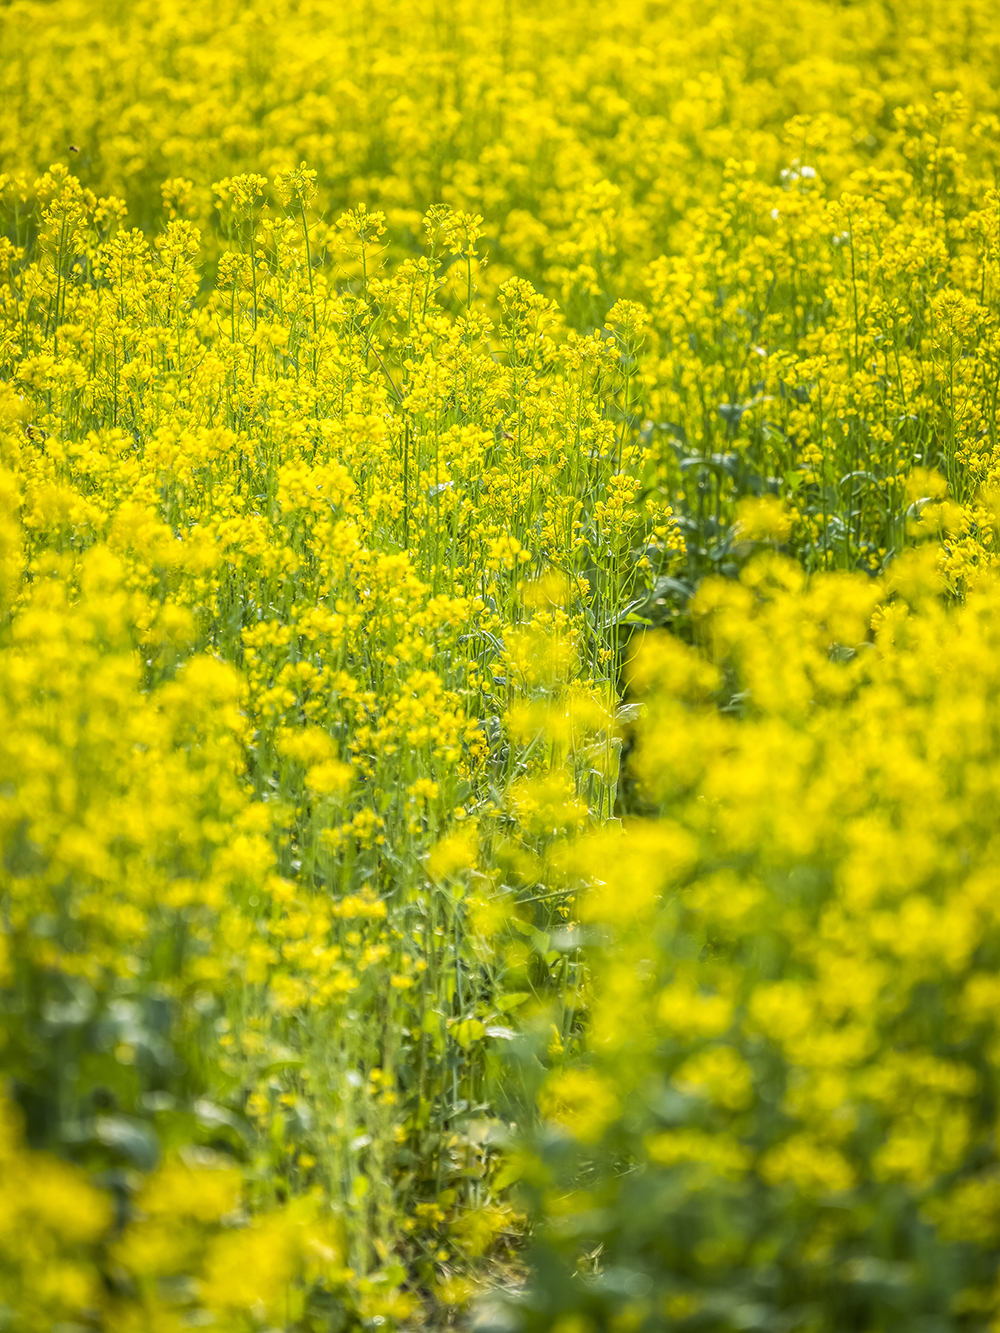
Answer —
(581, 1101)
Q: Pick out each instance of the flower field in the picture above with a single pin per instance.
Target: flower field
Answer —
(499, 666)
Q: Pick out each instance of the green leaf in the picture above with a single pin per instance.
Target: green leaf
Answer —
(468, 1031)
(511, 1172)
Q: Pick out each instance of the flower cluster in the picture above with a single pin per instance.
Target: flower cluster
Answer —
(792, 1035)
(282, 566)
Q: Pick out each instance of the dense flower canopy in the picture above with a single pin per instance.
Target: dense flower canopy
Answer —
(498, 515)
